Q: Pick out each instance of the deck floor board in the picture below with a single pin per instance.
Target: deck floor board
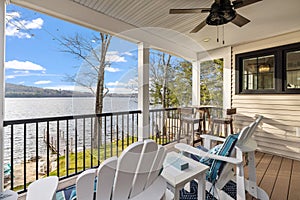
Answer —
(270, 176)
(294, 190)
(282, 184)
(278, 176)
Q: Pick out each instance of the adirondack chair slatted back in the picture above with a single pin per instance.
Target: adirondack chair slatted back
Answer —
(125, 177)
(157, 165)
(126, 168)
(147, 156)
(247, 136)
(137, 169)
(106, 176)
(85, 185)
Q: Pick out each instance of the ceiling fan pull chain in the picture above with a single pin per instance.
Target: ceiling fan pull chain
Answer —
(217, 33)
(223, 35)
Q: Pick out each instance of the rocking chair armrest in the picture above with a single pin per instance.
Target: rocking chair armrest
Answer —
(192, 150)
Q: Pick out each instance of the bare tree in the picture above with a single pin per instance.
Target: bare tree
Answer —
(92, 70)
(161, 73)
(160, 69)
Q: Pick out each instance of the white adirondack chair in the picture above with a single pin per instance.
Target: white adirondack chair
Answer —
(244, 144)
(44, 188)
(134, 175)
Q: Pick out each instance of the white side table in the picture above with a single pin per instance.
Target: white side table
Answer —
(8, 195)
(178, 178)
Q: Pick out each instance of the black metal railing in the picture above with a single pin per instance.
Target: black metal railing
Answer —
(164, 124)
(65, 146)
(70, 144)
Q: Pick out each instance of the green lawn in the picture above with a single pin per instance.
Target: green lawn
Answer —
(91, 158)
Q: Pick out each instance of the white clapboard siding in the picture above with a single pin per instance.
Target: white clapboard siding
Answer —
(277, 133)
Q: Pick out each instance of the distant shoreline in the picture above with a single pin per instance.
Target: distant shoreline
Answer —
(108, 95)
(22, 91)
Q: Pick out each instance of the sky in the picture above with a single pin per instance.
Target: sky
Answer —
(34, 56)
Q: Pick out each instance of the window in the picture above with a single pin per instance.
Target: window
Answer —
(293, 70)
(275, 70)
(258, 73)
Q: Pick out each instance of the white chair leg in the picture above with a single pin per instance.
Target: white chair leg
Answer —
(251, 185)
(240, 178)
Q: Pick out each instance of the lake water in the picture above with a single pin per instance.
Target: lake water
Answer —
(27, 108)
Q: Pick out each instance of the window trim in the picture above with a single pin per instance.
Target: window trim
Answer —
(280, 55)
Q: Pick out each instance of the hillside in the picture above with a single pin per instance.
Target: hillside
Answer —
(13, 90)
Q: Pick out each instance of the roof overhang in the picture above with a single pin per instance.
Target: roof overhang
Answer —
(140, 21)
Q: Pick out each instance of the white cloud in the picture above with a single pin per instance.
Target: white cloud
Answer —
(42, 82)
(117, 83)
(33, 24)
(127, 53)
(21, 72)
(112, 69)
(20, 28)
(14, 31)
(12, 15)
(10, 77)
(114, 56)
(21, 83)
(23, 65)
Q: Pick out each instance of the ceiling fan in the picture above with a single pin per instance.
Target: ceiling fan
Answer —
(221, 12)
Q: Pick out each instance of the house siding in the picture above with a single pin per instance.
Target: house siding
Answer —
(277, 134)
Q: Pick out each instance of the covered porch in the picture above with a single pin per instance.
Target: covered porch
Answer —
(150, 25)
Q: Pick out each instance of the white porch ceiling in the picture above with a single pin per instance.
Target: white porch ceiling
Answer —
(149, 21)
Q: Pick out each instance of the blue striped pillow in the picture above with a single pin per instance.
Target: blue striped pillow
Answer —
(205, 160)
(217, 165)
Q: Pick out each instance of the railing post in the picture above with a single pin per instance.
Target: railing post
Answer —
(143, 91)
(2, 88)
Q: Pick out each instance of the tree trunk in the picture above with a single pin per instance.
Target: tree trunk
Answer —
(97, 138)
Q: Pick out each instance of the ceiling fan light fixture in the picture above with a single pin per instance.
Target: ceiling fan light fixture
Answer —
(221, 14)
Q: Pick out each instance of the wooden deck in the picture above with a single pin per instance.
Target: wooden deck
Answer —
(278, 176)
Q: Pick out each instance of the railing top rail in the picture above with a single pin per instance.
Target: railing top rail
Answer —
(162, 109)
(47, 119)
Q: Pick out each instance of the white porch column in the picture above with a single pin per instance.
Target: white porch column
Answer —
(2, 86)
(143, 91)
(196, 82)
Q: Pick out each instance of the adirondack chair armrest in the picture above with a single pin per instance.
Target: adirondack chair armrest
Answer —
(212, 138)
(155, 191)
(207, 139)
(192, 150)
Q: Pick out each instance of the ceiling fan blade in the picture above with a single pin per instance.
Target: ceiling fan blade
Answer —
(199, 27)
(241, 3)
(240, 21)
(206, 10)
(188, 10)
